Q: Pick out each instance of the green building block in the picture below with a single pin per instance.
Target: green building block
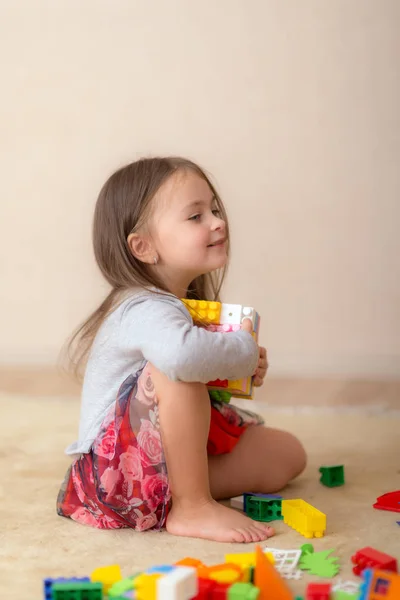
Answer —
(340, 595)
(332, 476)
(263, 508)
(120, 587)
(220, 396)
(243, 591)
(77, 591)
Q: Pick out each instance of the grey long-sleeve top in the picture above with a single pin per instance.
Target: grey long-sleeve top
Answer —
(157, 328)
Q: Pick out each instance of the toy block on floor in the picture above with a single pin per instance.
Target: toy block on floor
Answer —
(389, 501)
(268, 580)
(107, 576)
(179, 584)
(243, 591)
(50, 581)
(145, 586)
(77, 591)
(379, 585)
(224, 573)
(121, 588)
(332, 476)
(370, 558)
(304, 518)
(318, 591)
(262, 507)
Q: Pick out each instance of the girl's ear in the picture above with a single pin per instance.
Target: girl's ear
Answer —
(141, 247)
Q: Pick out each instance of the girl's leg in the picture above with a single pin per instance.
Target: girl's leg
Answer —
(184, 412)
(263, 461)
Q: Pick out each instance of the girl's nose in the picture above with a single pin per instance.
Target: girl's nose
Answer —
(218, 224)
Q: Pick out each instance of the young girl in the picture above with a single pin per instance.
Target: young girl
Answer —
(153, 449)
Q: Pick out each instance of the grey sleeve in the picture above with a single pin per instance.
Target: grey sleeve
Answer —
(162, 329)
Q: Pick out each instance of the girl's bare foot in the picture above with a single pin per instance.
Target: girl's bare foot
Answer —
(213, 521)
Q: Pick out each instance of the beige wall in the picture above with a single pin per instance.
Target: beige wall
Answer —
(294, 106)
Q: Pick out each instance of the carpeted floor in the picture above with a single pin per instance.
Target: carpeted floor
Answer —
(36, 543)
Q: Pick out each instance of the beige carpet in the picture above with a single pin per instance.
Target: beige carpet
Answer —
(36, 543)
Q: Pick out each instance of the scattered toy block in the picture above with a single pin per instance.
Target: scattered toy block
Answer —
(190, 562)
(304, 518)
(145, 586)
(50, 581)
(243, 591)
(107, 576)
(263, 507)
(379, 584)
(370, 558)
(268, 580)
(77, 591)
(205, 586)
(120, 588)
(318, 591)
(237, 502)
(332, 476)
(224, 573)
(389, 501)
(179, 584)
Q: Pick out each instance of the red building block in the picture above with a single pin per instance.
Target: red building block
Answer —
(221, 383)
(390, 501)
(370, 558)
(205, 588)
(220, 591)
(318, 591)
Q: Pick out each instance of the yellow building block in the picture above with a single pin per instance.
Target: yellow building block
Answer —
(107, 576)
(203, 310)
(145, 586)
(247, 559)
(304, 518)
(224, 573)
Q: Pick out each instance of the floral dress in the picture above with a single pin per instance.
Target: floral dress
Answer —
(123, 480)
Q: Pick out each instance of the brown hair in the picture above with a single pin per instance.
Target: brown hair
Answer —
(123, 206)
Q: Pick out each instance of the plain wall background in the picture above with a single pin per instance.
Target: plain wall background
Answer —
(293, 106)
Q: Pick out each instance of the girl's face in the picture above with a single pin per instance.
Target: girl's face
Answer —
(187, 231)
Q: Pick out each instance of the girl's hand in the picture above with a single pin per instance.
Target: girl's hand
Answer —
(262, 367)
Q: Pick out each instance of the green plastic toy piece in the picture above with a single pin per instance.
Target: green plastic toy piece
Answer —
(77, 591)
(332, 476)
(340, 595)
(120, 587)
(320, 563)
(263, 509)
(220, 396)
(243, 591)
(306, 549)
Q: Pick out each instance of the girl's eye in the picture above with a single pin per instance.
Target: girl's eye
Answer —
(216, 212)
(195, 218)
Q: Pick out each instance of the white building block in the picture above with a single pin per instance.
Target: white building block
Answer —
(180, 584)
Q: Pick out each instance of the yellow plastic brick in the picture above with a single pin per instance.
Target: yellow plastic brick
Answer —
(204, 310)
(247, 559)
(107, 576)
(304, 518)
(146, 586)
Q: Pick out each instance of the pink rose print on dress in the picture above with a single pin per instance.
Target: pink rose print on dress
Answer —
(149, 440)
(109, 481)
(145, 392)
(155, 490)
(146, 522)
(106, 446)
(130, 465)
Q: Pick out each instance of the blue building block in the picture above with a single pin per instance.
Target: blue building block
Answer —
(160, 569)
(48, 584)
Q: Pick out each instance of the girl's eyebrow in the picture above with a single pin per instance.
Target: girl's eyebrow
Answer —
(199, 203)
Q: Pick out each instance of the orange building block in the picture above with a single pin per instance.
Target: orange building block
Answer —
(268, 580)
